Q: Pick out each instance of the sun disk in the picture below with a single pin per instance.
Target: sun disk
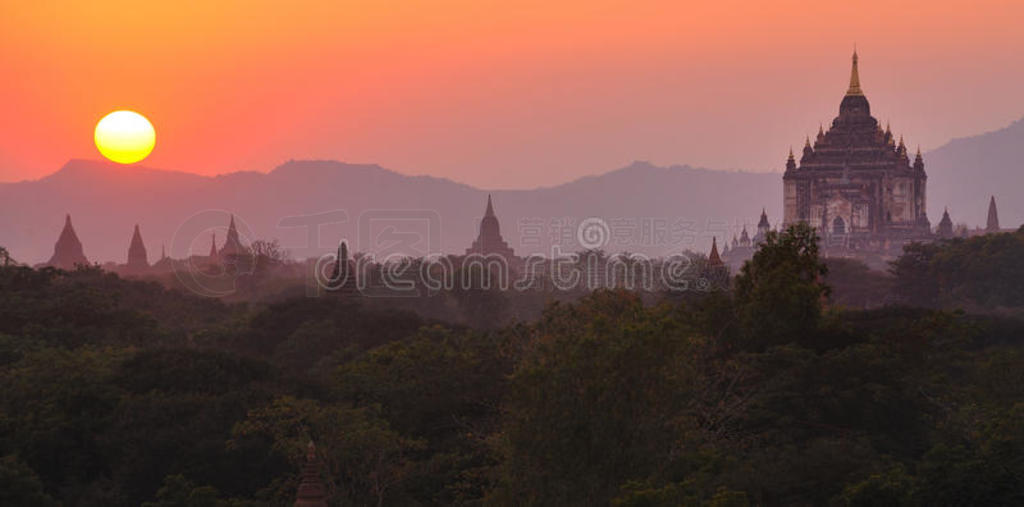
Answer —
(125, 137)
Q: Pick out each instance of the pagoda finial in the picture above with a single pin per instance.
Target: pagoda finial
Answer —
(790, 153)
(807, 142)
(854, 77)
(490, 207)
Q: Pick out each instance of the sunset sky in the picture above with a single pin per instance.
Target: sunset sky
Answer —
(494, 94)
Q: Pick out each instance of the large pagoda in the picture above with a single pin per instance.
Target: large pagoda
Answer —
(856, 185)
(489, 241)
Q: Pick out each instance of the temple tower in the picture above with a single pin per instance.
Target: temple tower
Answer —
(137, 258)
(67, 252)
(762, 227)
(489, 240)
(945, 229)
(343, 277)
(856, 185)
(992, 225)
(232, 244)
(212, 257)
(714, 259)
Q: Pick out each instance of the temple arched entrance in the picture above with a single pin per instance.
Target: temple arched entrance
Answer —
(839, 226)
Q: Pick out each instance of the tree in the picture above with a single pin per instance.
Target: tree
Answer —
(177, 491)
(779, 292)
(365, 459)
(916, 283)
(268, 254)
(19, 485)
(5, 258)
(595, 402)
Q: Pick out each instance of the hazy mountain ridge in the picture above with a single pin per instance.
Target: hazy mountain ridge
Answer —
(964, 172)
(687, 205)
(105, 201)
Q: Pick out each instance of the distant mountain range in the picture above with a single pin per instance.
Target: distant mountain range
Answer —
(642, 208)
(964, 172)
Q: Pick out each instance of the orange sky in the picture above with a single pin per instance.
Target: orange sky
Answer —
(495, 94)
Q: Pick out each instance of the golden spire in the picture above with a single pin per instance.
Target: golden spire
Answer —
(807, 143)
(791, 153)
(854, 78)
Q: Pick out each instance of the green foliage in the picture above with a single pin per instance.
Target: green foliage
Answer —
(365, 459)
(177, 491)
(116, 392)
(779, 292)
(981, 273)
(595, 400)
(891, 488)
(439, 386)
(19, 485)
(854, 285)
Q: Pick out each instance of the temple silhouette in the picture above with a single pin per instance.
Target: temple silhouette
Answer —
(856, 184)
(489, 241)
(67, 252)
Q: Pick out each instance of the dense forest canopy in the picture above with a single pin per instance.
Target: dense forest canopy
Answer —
(802, 381)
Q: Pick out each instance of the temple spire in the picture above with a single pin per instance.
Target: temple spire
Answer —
(714, 259)
(232, 243)
(489, 241)
(945, 229)
(854, 78)
(490, 207)
(137, 258)
(993, 216)
(67, 252)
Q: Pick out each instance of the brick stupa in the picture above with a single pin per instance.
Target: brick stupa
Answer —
(67, 252)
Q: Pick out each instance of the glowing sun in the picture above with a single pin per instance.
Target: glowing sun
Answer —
(125, 137)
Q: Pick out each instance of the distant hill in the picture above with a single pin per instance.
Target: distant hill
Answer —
(649, 209)
(964, 172)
